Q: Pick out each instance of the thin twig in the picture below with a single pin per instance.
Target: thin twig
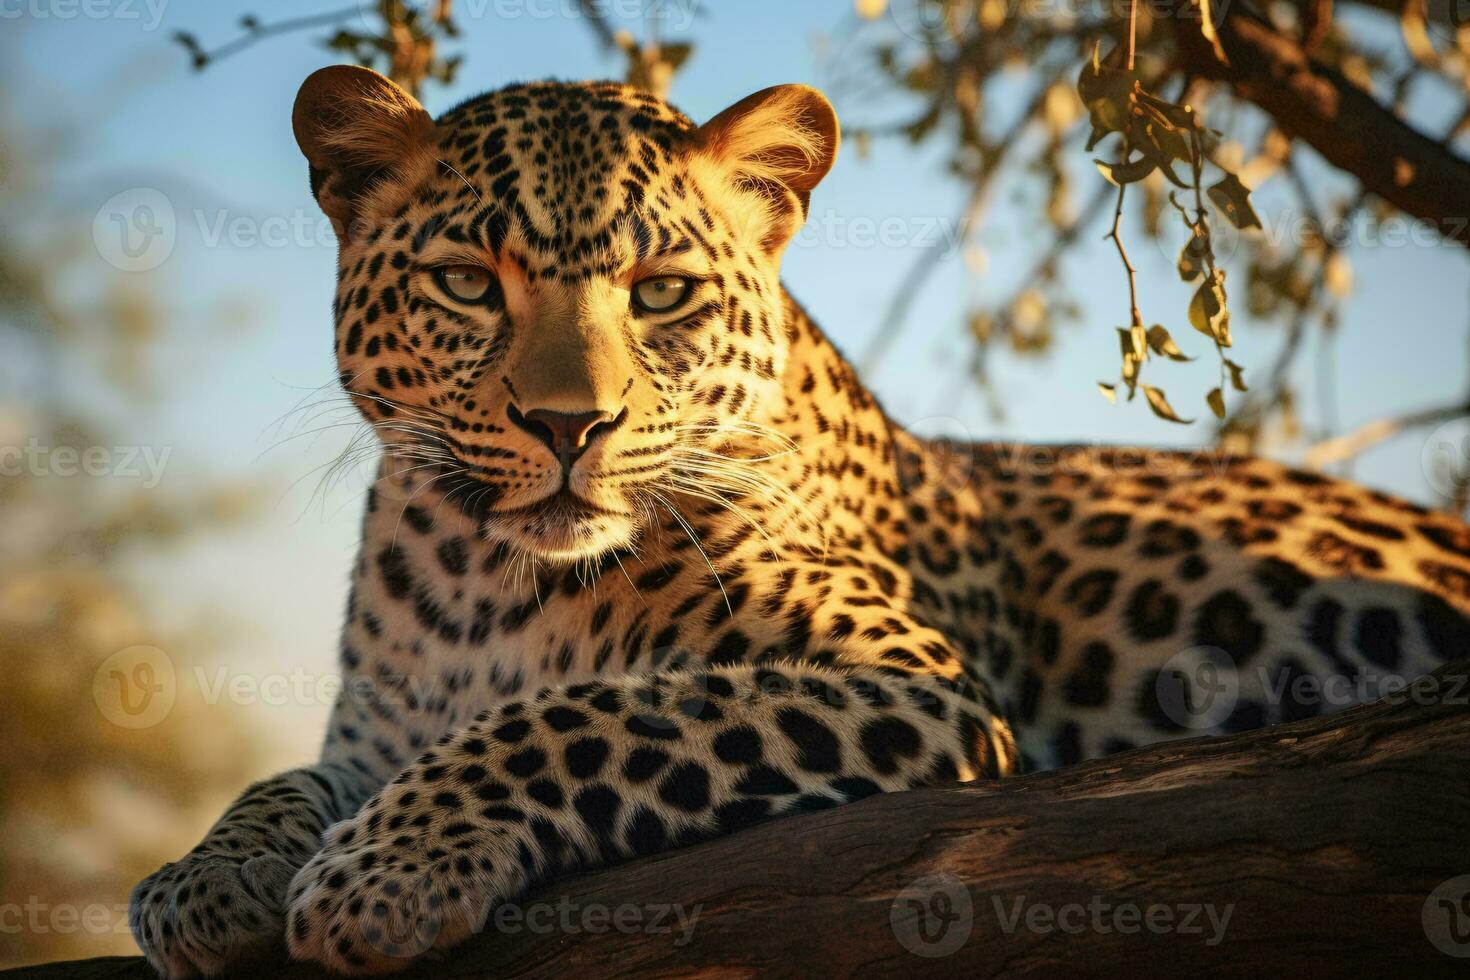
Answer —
(1132, 31)
(1136, 314)
(260, 32)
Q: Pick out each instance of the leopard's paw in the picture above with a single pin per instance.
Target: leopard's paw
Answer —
(212, 912)
(369, 906)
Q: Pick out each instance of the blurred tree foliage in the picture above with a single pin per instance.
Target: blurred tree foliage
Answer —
(1292, 83)
(87, 806)
(1192, 103)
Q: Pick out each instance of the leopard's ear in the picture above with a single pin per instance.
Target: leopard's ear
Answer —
(780, 141)
(355, 126)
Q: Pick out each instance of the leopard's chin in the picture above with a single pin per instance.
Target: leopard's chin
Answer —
(563, 529)
(581, 545)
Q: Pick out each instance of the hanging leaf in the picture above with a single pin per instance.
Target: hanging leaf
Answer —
(1161, 406)
(1237, 375)
(1132, 359)
(1216, 401)
(1207, 311)
(1161, 343)
(1134, 342)
(1159, 132)
(871, 9)
(1156, 135)
(1107, 93)
(1180, 116)
(1139, 338)
(1234, 201)
(1192, 257)
(1126, 173)
(1160, 159)
(1130, 375)
(1110, 392)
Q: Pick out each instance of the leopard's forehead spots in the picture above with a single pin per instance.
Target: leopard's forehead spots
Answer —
(574, 168)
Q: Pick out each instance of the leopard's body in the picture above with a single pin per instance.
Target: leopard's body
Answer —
(750, 593)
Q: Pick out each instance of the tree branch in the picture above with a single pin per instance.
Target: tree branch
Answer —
(1320, 840)
(1343, 448)
(1417, 174)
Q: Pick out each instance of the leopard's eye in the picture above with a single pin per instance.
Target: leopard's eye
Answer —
(466, 283)
(661, 294)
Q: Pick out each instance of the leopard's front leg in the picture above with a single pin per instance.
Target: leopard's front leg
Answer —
(223, 904)
(221, 908)
(596, 773)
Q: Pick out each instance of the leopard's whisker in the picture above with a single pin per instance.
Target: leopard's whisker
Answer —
(694, 538)
(745, 482)
(393, 541)
(631, 584)
(693, 490)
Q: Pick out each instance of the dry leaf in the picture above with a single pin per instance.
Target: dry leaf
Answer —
(1161, 406)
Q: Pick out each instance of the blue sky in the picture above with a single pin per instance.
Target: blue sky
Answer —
(218, 146)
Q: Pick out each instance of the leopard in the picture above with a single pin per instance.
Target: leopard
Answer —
(643, 561)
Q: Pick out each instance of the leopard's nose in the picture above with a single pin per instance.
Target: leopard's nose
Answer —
(566, 434)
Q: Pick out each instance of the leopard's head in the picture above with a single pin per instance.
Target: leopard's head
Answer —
(562, 300)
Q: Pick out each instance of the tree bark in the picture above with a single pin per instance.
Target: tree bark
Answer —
(1312, 847)
(1417, 174)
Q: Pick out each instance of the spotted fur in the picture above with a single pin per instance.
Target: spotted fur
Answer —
(750, 593)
